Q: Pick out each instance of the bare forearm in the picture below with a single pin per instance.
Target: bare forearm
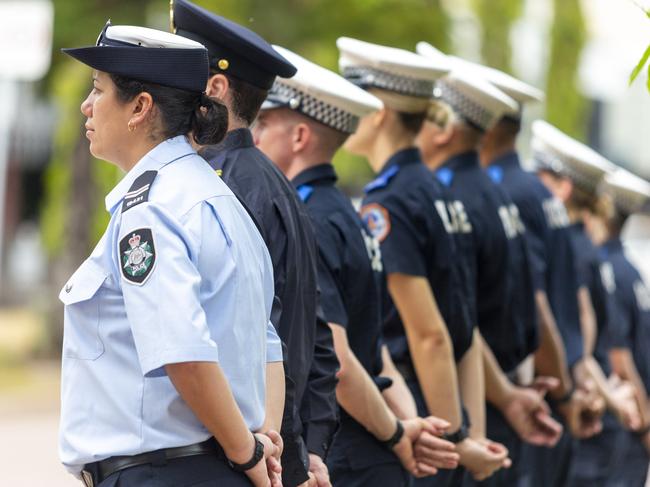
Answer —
(588, 325)
(434, 365)
(497, 386)
(398, 396)
(550, 358)
(429, 344)
(205, 389)
(357, 393)
(472, 386)
(274, 396)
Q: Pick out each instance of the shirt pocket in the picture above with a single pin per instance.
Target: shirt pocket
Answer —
(81, 296)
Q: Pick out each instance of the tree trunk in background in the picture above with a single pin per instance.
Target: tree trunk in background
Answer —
(497, 17)
(566, 108)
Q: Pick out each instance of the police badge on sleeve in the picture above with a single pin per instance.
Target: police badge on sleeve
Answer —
(137, 255)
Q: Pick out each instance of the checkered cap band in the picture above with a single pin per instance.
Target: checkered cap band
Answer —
(375, 78)
(468, 109)
(284, 95)
(549, 162)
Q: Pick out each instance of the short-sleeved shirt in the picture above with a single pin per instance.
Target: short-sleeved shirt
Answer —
(350, 277)
(493, 240)
(552, 259)
(310, 361)
(590, 275)
(631, 328)
(181, 274)
(401, 209)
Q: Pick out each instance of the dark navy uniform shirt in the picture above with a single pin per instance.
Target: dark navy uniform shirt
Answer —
(549, 246)
(349, 277)
(631, 329)
(588, 270)
(310, 362)
(492, 238)
(402, 209)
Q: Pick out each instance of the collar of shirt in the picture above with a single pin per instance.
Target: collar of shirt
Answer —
(404, 157)
(612, 245)
(507, 161)
(235, 139)
(324, 173)
(467, 159)
(164, 153)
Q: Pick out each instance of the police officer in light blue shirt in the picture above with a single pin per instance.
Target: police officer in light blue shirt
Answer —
(167, 337)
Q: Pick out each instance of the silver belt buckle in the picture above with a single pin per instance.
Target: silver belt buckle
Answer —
(87, 478)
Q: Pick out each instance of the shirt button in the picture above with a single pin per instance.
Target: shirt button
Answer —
(68, 288)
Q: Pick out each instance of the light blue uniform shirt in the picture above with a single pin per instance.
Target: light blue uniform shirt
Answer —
(207, 297)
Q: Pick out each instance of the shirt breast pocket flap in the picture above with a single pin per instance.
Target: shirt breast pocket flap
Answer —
(82, 301)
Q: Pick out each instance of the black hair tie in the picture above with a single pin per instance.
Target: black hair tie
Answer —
(203, 100)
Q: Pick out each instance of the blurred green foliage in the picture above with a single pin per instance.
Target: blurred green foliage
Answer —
(643, 62)
(566, 108)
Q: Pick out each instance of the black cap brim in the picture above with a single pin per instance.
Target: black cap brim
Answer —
(185, 69)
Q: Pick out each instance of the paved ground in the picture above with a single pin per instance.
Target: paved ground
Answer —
(29, 416)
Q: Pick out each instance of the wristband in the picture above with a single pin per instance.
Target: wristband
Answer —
(565, 398)
(457, 436)
(397, 436)
(643, 431)
(258, 454)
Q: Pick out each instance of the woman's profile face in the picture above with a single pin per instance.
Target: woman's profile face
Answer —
(360, 142)
(107, 119)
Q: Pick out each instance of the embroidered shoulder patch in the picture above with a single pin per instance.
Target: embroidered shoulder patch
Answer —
(377, 220)
(137, 255)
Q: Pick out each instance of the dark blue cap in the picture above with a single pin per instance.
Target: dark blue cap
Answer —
(147, 55)
(233, 49)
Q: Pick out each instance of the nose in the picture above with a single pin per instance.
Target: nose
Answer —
(87, 107)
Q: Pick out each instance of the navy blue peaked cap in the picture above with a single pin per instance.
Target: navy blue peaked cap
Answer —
(147, 55)
(233, 49)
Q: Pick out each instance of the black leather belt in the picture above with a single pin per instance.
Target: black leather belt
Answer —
(95, 473)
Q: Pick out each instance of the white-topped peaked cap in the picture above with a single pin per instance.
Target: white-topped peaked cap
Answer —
(388, 68)
(119, 35)
(320, 94)
(468, 92)
(147, 55)
(555, 151)
(516, 89)
(629, 192)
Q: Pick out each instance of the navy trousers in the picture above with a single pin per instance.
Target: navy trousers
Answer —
(195, 471)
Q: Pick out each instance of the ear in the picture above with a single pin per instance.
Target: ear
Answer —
(379, 117)
(301, 136)
(443, 135)
(565, 186)
(142, 108)
(218, 86)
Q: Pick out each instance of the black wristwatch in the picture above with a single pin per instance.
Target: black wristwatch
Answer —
(258, 454)
(457, 436)
(394, 440)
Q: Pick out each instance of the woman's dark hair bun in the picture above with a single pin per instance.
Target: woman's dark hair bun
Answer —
(209, 121)
(181, 111)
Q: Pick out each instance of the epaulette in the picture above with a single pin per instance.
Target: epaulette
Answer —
(304, 192)
(495, 173)
(382, 180)
(445, 176)
(139, 190)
